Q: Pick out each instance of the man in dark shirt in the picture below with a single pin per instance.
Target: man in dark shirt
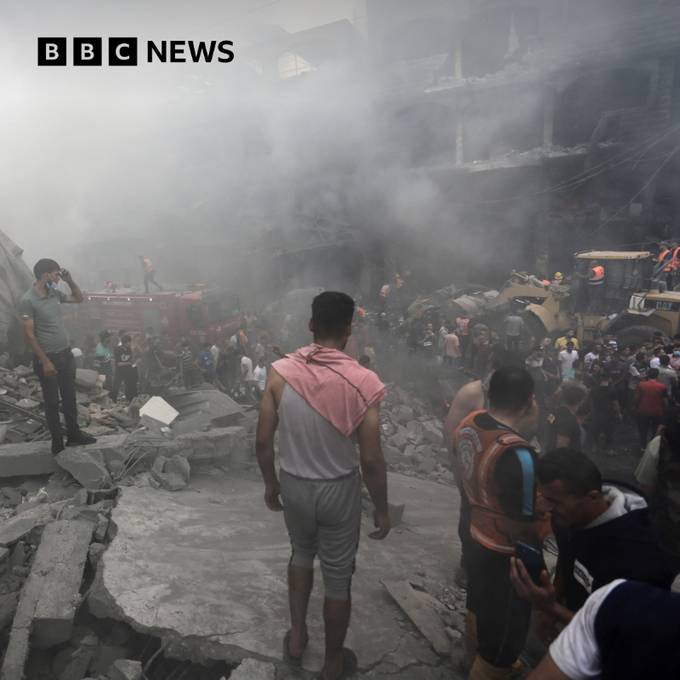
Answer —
(126, 371)
(53, 362)
(603, 533)
(605, 411)
(564, 429)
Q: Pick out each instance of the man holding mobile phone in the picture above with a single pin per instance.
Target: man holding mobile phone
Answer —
(53, 362)
(603, 533)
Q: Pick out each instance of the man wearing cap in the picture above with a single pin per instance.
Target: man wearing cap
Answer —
(53, 361)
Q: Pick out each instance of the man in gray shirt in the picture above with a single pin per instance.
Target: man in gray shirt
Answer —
(53, 361)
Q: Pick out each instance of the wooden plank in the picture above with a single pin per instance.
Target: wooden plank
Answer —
(422, 613)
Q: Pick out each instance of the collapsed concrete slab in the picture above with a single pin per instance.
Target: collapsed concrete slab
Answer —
(59, 563)
(86, 466)
(252, 669)
(50, 595)
(36, 458)
(26, 459)
(15, 528)
(203, 409)
(205, 570)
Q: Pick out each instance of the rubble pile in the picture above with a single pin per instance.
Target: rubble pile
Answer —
(53, 537)
(412, 440)
(21, 406)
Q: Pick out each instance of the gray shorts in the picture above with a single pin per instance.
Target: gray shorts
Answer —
(323, 518)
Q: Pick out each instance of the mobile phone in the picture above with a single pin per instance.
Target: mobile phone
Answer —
(532, 559)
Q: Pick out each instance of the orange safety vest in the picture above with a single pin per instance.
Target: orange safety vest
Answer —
(598, 275)
(662, 256)
(477, 453)
(675, 260)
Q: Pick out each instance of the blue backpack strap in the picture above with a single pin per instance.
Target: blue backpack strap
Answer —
(526, 462)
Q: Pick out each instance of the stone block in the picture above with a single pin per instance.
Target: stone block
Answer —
(125, 669)
(404, 414)
(26, 459)
(179, 465)
(432, 433)
(392, 454)
(157, 413)
(59, 564)
(16, 528)
(8, 607)
(28, 403)
(86, 379)
(399, 440)
(85, 466)
(252, 669)
(95, 552)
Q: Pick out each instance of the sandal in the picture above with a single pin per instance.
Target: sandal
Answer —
(294, 661)
(350, 665)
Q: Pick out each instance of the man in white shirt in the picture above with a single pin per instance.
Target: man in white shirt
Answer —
(567, 358)
(260, 375)
(617, 634)
(592, 357)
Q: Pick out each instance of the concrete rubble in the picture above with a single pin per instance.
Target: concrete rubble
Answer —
(413, 440)
(252, 669)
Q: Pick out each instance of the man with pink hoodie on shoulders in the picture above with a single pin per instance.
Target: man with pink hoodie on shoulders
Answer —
(324, 404)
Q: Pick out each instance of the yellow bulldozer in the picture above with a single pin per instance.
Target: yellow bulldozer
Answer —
(632, 303)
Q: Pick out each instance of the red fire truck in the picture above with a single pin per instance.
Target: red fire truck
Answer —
(203, 315)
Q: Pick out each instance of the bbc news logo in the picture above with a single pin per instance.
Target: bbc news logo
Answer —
(124, 51)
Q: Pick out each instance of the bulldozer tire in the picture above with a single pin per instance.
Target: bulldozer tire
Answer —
(635, 335)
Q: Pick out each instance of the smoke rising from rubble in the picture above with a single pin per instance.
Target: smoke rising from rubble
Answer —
(215, 151)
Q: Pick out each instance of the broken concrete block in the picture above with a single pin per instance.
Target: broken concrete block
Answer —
(84, 467)
(105, 656)
(432, 433)
(86, 379)
(125, 669)
(179, 465)
(157, 413)
(58, 565)
(11, 496)
(15, 528)
(101, 528)
(95, 553)
(404, 414)
(77, 665)
(8, 607)
(25, 459)
(28, 403)
(252, 669)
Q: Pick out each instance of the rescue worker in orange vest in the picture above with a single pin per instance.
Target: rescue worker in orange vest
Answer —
(596, 287)
(674, 267)
(149, 273)
(496, 466)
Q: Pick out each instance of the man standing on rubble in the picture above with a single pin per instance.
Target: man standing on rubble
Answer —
(323, 402)
(53, 361)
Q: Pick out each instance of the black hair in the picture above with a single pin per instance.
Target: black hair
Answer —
(653, 373)
(574, 469)
(104, 336)
(573, 392)
(510, 389)
(126, 339)
(332, 314)
(44, 266)
(664, 360)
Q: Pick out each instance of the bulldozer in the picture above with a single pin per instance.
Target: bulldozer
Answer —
(632, 306)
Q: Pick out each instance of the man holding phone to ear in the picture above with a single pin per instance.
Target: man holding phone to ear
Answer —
(53, 361)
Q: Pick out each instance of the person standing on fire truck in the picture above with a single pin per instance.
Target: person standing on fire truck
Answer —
(149, 273)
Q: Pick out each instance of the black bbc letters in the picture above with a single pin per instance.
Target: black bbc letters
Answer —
(87, 51)
(51, 51)
(122, 51)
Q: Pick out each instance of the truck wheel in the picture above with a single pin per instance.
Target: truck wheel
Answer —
(635, 335)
